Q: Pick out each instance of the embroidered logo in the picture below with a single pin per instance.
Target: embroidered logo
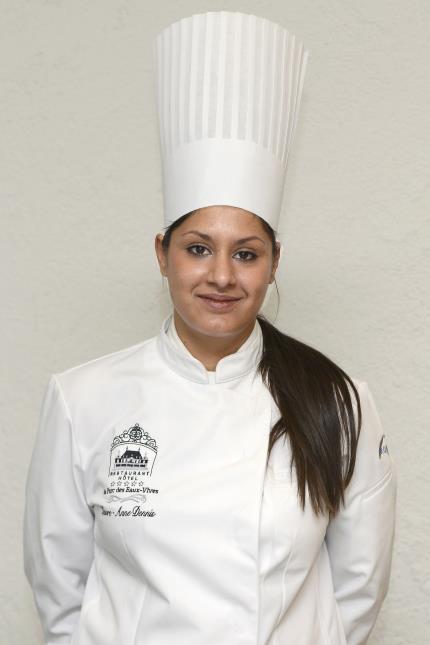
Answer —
(131, 463)
(383, 448)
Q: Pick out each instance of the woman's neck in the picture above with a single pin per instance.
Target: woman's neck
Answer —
(206, 348)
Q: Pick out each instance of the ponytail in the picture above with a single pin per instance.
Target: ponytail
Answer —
(317, 416)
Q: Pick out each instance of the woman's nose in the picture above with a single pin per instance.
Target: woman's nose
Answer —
(221, 268)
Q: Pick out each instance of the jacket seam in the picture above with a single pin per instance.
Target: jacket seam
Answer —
(92, 601)
(374, 488)
(321, 615)
(124, 350)
(283, 580)
(69, 416)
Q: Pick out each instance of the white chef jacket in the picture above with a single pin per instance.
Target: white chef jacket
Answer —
(151, 518)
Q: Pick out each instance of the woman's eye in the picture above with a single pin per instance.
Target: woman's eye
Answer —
(195, 246)
(190, 249)
(248, 259)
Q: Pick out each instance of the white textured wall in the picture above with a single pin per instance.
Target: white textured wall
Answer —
(81, 203)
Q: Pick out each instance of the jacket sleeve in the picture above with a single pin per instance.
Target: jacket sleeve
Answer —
(58, 524)
(360, 537)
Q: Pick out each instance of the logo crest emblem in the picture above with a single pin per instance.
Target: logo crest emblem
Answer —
(134, 450)
(131, 463)
(383, 448)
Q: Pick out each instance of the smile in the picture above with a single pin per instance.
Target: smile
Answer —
(219, 305)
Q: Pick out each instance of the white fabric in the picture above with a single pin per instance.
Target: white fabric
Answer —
(254, 337)
(228, 90)
(151, 518)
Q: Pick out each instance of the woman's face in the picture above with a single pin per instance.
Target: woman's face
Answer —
(208, 256)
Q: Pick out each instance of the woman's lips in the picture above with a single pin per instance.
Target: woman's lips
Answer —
(219, 305)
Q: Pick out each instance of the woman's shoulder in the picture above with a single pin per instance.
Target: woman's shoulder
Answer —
(99, 374)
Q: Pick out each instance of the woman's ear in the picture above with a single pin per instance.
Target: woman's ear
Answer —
(160, 252)
(276, 260)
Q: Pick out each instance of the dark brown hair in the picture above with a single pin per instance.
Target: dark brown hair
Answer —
(313, 397)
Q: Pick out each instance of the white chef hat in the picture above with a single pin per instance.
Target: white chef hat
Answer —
(228, 90)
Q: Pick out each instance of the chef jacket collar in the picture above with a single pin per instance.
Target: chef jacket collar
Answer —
(232, 366)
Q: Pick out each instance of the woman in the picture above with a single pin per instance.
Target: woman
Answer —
(220, 482)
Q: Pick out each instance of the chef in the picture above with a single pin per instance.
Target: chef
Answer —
(219, 482)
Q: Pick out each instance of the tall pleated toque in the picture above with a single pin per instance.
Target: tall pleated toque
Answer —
(228, 91)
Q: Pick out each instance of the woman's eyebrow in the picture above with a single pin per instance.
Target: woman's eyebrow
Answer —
(242, 240)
